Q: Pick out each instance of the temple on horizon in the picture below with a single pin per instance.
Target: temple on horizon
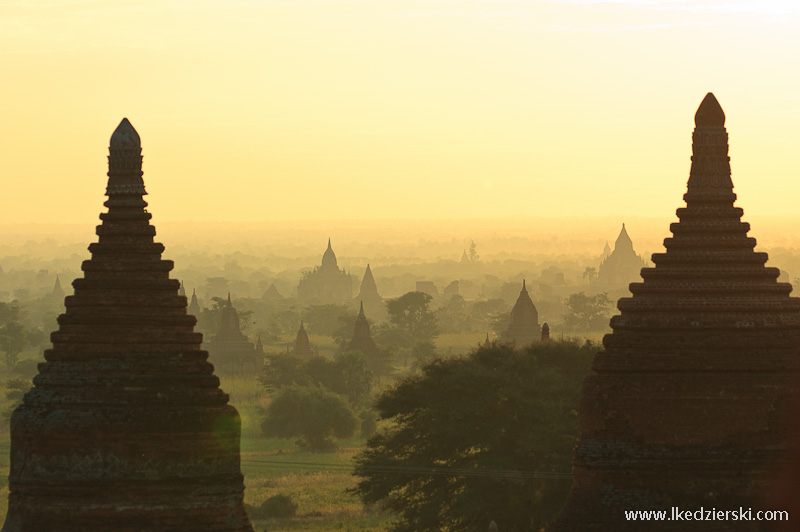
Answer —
(523, 325)
(326, 283)
(620, 267)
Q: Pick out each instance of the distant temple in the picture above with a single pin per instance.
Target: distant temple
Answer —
(125, 428)
(691, 401)
(272, 293)
(230, 351)
(302, 346)
(369, 297)
(58, 292)
(181, 290)
(326, 283)
(523, 326)
(622, 266)
(194, 305)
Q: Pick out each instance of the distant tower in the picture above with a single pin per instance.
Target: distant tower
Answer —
(487, 343)
(58, 292)
(302, 346)
(465, 258)
(272, 293)
(545, 332)
(194, 306)
(622, 266)
(690, 402)
(182, 290)
(327, 283)
(126, 428)
(369, 297)
(230, 351)
(523, 326)
(606, 251)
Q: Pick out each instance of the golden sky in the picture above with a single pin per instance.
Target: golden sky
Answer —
(334, 109)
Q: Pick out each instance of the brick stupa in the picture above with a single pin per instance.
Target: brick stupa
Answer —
(126, 428)
(688, 404)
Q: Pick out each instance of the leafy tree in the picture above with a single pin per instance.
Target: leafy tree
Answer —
(473, 251)
(13, 340)
(328, 319)
(487, 436)
(313, 414)
(347, 374)
(586, 313)
(590, 273)
(411, 313)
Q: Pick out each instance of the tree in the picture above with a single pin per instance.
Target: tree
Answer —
(411, 313)
(328, 319)
(313, 414)
(591, 273)
(13, 340)
(347, 374)
(473, 251)
(487, 436)
(586, 313)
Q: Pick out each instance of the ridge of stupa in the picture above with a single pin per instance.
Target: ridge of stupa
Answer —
(126, 417)
(687, 405)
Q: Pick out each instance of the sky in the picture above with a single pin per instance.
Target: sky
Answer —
(275, 110)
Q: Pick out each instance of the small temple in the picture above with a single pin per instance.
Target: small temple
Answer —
(369, 297)
(362, 341)
(689, 403)
(523, 326)
(622, 266)
(302, 346)
(194, 305)
(58, 292)
(326, 283)
(230, 351)
(126, 427)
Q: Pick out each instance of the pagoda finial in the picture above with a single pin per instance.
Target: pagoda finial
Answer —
(229, 300)
(329, 243)
(710, 113)
(125, 162)
(711, 167)
(361, 310)
(523, 285)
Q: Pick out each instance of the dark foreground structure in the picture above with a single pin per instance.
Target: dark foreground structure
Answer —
(688, 405)
(126, 429)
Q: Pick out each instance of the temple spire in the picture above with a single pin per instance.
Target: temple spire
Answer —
(711, 168)
(125, 162)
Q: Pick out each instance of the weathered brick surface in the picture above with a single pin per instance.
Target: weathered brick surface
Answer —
(126, 428)
(689, 404)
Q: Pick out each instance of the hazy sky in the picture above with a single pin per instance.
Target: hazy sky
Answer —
(327, 109)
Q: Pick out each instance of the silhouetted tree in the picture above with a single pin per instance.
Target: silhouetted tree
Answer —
(13, 340)
(479, 437)
(590, 273)
(411, 313)
(586, 313)
(473, 251)
(313, 414)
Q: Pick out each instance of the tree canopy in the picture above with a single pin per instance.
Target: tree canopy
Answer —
(486, 436)
(313, 414)
(586, 313)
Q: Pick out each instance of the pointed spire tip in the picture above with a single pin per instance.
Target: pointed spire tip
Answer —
(709, 113)
(125, 136)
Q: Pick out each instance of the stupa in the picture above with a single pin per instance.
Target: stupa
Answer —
(126, 428)
(523, 325)
(620, 267)
(369, 298)
(302, 346)
(688, 405)
(229, 350)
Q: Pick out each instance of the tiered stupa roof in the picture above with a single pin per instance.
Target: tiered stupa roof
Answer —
(523, 326)
(688, 404)
(126, 428)
(302, 346)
